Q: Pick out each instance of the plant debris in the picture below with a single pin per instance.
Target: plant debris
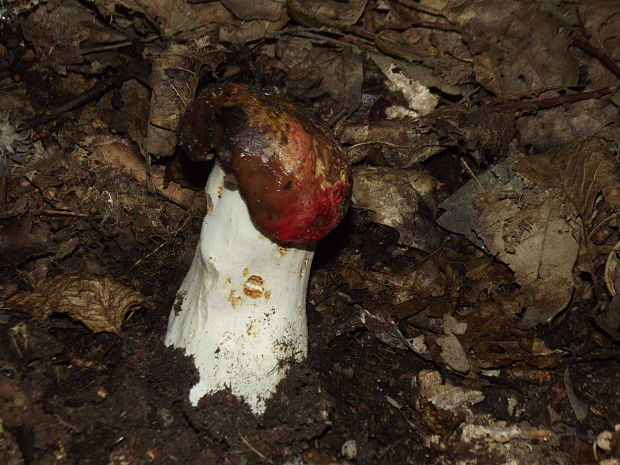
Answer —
(466, 309)
(99, 302)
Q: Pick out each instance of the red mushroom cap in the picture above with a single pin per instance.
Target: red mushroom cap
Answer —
(296, 182)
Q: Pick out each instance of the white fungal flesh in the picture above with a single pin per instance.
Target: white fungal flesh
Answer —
(241, 310)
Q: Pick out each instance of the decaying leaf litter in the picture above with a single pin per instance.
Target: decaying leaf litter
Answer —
(466, 309)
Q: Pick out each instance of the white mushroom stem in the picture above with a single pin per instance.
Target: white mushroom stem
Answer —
(241, 310)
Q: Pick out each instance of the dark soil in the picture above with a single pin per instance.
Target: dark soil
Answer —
(69, 396)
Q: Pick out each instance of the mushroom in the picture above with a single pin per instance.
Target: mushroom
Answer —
(278, 185)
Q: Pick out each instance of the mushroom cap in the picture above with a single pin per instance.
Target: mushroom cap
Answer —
(295, 180)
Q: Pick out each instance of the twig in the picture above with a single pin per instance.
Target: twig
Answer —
(430, 25)
(60, 213)
(602, 223)
(122, 44)
(164, 243)
(105, 48)
(596, 53)
(255, 450)
(423, 9)
(449, 28)
(103, 86)
(471, 173)
(553, 101)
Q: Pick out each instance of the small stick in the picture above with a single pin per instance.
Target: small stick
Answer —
(122, 44)
(255, 450)
(102, 87)
(553, 101)
(61, 213)
(596, 53)
(423, 8)
(164, 243)
(471, 173)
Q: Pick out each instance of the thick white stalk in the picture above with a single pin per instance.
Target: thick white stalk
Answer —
(241, 310)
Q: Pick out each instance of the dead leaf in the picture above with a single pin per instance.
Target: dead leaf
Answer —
(533, 230)
(256, 9)
(581, 170)
(19, 240)
(425, 279)
(445, 396)
(517, 45)
(609, 319)
(314, 71)
(423, 75)
(419, 98)
(118, 153)
(555, 127)
(174, 79)
(250, 31)
(319, 13)
(580, 408)
(56, 33)
(452, 353)
(601, 22)
(494, 340)
(538, 237)
(392, 198)
(384, 328)
(178, 19)
(463, 207)
(404, 143)
(442, 406)
(99, 302)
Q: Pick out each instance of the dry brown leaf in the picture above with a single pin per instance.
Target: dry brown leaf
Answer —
(393, 199)
(537, 236)
(601, 22)
(256, 9)
(581, 170)
(516, 46)
(318, 13)
(250, 31)
(430, 386)
(118, 153)
(19, 240)
(314, 71)
(452, 353)
(179, 19)
(412, 81)
(533, 230)
(99, 302)
(494, 341)
(56, 33)
(384, 328)
(422, 280)
(404, 143)
(173, 80)
(550, 128)
(441, 405)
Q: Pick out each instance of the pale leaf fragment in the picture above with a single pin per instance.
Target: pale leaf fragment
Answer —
(401, 199)
(532, 229)
(537, 236)
(453, 354)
